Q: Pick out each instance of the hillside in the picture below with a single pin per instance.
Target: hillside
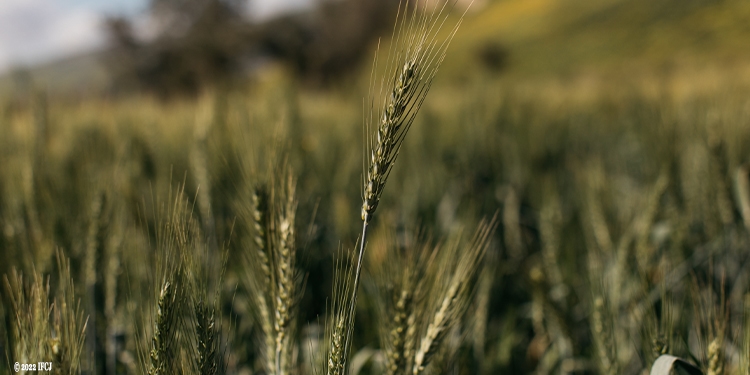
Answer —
(540, 38)
(78, 75)
(558, 36)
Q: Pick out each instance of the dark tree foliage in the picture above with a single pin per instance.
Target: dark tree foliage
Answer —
(198, 43)
(324, 46)
(203, 43)
(123, 49)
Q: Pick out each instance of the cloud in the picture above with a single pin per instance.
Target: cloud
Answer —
(266, 8)
(34, 31)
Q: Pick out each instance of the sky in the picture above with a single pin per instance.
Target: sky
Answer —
(38, 31)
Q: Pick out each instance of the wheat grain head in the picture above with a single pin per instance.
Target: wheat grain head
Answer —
(451, 299)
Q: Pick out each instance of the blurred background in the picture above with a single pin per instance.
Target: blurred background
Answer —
(181, 47)
(77, 47)
(610, 135)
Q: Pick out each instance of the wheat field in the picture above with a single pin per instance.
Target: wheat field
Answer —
(415, 220)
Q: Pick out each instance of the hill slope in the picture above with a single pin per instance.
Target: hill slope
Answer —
(538, 38)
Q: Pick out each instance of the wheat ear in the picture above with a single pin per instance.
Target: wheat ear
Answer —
(175, 235)
(413, 61)
(286, 292)
(401, 279)
(259, 279)
(715, 357)
(272, 277)
(31, 310)
(69, 323)
(207, 272)
(338, 328)
(206, 332)
(164, 342)
(454, 299)
(601, 327)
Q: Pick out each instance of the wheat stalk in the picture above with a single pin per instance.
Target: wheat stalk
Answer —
(414, 58)
(286, 293)
(260, 280)
(742, 193)
(744, 364)
(413, 69)
(177, 235)
(31, 311)
(715, 317)
(260, 216)
(715, 357)
(402, 279)
(163, 354)
(207, 271)
(397, 335)
(37, 337)
(339, 326)
(454, 299)
(482, 307)
(207, 340)
(604, 340)
(272, 277)
(69, 323)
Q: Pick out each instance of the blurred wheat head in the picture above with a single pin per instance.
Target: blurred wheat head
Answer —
(182, 329)
(42, 328)
(424, 290)
(271, 276)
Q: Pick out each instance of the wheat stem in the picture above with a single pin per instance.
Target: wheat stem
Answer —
(353, 301)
